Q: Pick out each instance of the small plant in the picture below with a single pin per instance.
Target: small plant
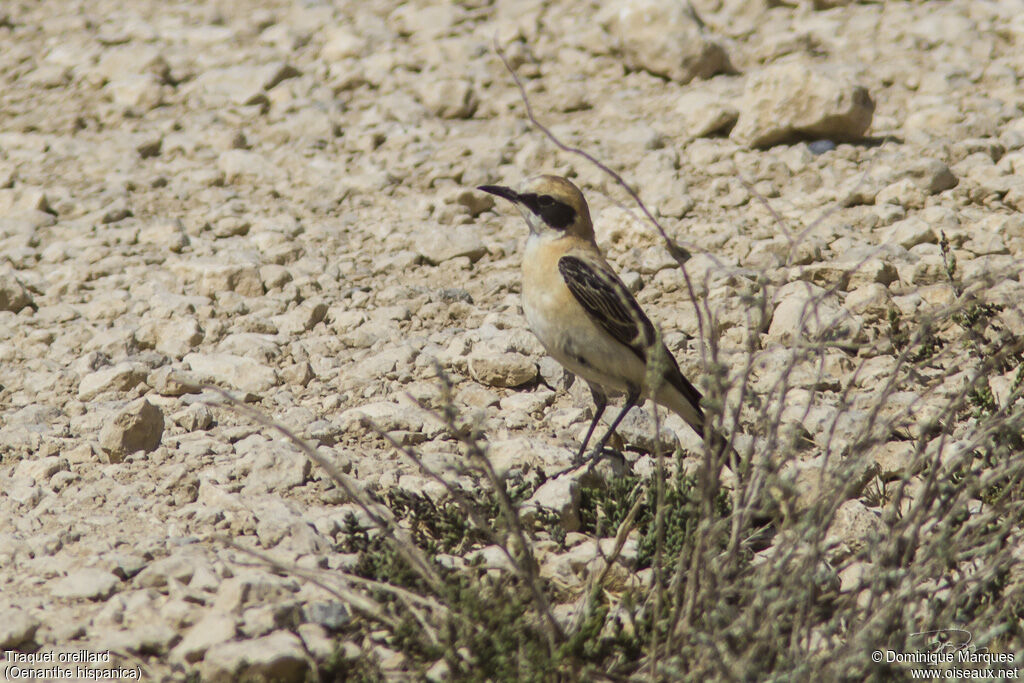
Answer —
(949, 264)
(876, 493)
(603, 509)
(981, 398)
(927, 343)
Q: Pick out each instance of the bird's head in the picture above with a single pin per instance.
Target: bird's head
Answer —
(551, 205)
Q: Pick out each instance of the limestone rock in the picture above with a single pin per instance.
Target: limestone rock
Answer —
(244, 84)
(244, 374)
(856, 525)
(210, 277)
(562, 496)
(703, 114)
(459, 241)
(211, 631)
(301, 318)
(16, 627)
(664, 37)
(121, 377)
(637, 429)
(794, 100)
(449, 98)
(502, 369)
(13, 295)
(931, 175)
(910, 232)
(174, 338)
(139, 426)
(808, 311)
(279, 656)
(85, 584)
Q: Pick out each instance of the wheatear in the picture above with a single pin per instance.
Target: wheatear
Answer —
(583, 314)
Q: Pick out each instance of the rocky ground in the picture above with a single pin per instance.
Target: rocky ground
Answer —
(277, 197)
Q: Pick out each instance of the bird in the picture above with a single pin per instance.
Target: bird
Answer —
(583, 314)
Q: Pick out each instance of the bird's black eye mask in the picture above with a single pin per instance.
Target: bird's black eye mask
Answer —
(556, 214)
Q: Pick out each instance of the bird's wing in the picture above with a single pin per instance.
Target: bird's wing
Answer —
(611, 305)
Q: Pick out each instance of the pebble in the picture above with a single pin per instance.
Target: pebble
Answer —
(528, 402)
(173, 338)
(17, 627)
(166, 381)
(238, 372)
(856, 525)
(41, 469)
(195, 417)
(664, 38)
(301, 318)
(909, 233)
(332, 616)
(807, 311)
(13, 295)
(121, 377)
(208, 278)
(561, 496)
(387, 416)
(637, 430)
(279, 656)
(166, 234)
(871, 300)
(317, 641)
(449, 98)
(502, 369)
(85, 584)
(460, 242)
(932, 175)
(211, 632)
(703, 114)
(139, 426)
(340, 43)
(793, 99)
(240, 85)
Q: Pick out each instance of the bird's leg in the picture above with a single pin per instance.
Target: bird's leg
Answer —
(600, 403)
(632, 398)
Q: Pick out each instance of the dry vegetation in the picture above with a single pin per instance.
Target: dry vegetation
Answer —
(735, 575)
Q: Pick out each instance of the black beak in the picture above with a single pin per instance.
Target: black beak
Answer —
(505, 192)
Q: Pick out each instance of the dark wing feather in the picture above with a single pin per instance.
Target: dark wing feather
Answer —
(608, 302)
(612, 306)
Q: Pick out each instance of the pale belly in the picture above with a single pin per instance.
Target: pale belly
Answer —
(571, 338)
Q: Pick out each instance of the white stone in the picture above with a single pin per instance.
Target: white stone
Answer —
(791, 100)
(16, 627)
(174, 338)
(856, 525)
(139, 426)
(276, 657)
(562, 496)
(13, 295)
(210, 632)
(449, 98)
(502, 369)
(85, 584)
(244, 374)
(909, 233)
(665, 38)
(121, 377)
(807, 311)
(208, 277)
